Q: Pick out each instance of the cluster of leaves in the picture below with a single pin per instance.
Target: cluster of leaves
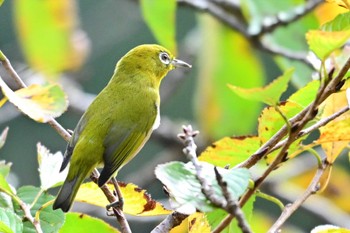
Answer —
(28, 208)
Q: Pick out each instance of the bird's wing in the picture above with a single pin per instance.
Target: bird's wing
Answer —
(121, 145)
(74, 139)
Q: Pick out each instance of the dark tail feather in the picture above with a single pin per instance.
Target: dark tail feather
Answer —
(67, 193)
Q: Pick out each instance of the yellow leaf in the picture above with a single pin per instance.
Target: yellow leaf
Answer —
(195, 223)
(40, 103)
(328, 11)
(136, 200)
(335, 136)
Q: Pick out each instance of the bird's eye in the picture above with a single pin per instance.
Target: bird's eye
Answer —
(164, 57)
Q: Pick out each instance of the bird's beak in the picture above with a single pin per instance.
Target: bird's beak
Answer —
(178, 63)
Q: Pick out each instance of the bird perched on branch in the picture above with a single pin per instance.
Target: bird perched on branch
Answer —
(119, 121)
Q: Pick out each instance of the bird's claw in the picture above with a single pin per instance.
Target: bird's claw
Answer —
(117, 204)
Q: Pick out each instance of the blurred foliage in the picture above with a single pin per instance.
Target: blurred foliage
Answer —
(231, 72)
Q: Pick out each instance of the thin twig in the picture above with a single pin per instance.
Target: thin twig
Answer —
(291, 208)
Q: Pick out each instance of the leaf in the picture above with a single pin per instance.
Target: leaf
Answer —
(329, 229)
(324, 43)
(3, 137)
(269, 94)
(49, 168)
(82, 223)
(305, 95)
(10, 222)
(340, 23)
(271, 121)
(335, 136)
(189, 197)
(64, 46)
(194, 223)
(4, 186)
(50, 220)
(225, 57)
(40, 103)
(160, 17)
(230, 151)
(136, 200)
(5, 168)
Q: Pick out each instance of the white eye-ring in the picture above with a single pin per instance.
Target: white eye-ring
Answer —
(164, 57)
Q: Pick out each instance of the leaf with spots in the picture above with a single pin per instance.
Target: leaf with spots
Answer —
(79, 223)
(194, 223)
(40, 103)
(269, 94)
(185, 190)
(230, 150)
(136, 200)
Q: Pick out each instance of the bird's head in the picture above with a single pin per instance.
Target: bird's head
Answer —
(151, 59)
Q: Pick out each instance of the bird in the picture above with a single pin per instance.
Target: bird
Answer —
(119, 121)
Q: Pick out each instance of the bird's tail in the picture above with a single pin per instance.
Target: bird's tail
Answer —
(68, 191)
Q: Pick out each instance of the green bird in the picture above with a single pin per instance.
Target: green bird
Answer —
(119, 121)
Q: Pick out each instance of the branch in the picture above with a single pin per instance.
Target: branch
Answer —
(66, 136)
(312, 189)
(171, 221)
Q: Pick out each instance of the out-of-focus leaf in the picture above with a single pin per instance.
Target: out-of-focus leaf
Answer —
(136, 200)
(225, 57)
(328, 11)
(40, 103)
(323, 43)
(4, 186)
(215, 217)
(49, 34)
(5, 201)
(340, 23)
(230, 151)
(341, 3)
(50, 220)
(194, 223)
(3, 136)
(269, 94)
(335, 136)
(5, 168)
(160, 17)
(190, 197)
(288, 38)
(82, 223)
(49, 168)
(10, 222)
(329, 229)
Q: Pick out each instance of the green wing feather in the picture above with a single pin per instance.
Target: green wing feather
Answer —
(121, 145)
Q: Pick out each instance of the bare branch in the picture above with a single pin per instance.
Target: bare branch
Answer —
(171, 221)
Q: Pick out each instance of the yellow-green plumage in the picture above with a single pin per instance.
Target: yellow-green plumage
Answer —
(119, 121)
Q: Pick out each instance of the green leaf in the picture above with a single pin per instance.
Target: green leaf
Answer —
(339, 23)
(269, 94)
(49, 168)
(38, 102)
(225, 57)
(5, 201)
(160, 17)
(185, 190)
(50, 220)
(4, 186)
(305, 95)
(3, 136)
(230, 151)
(215, 217)
(5, 168)
(64, 46)
(82, 223)
(1, 2)
(10, 222)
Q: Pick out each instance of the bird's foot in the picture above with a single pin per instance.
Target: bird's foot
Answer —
(117, 204)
